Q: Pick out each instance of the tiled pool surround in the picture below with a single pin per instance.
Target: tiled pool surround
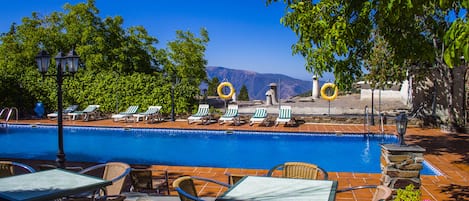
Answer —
(446, 152)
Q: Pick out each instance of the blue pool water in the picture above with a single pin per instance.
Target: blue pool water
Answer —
(255, 150)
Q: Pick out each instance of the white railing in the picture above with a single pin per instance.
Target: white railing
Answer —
(8, 113)
(367, 122)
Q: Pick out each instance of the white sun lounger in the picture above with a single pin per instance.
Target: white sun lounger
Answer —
(201, 115)
(259, 116)
(284, 115)
(231, 115)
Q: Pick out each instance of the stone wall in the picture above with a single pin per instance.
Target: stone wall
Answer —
(401, 165)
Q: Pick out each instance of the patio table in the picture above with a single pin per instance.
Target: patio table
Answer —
(48, 185)
(274, 188)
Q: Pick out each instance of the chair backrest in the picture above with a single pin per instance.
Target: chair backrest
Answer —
(260, 113)
(203, 109)
(70, 108)
(382, 193)
(7, 168)
(284, 112)
(185, 186)
(91, 108)
(153, 109)
(186, 190)
(132, 109)
(299, 170)
(116, 172)
(113, 171)
(232, 110)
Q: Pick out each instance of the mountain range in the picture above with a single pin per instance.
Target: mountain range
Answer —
(258, 83)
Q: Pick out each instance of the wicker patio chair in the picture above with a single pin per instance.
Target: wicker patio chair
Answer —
(299, 170)
(113, 171)
(186, 189)
(382, 193)
(9, 168)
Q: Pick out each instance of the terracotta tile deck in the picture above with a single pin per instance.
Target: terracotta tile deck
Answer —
(449, 153)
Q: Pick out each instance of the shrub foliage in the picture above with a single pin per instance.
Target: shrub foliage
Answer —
(119, 66)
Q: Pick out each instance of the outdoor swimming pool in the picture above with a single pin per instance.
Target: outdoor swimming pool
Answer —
(254, 150)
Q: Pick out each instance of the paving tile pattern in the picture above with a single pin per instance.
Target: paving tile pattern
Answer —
(448, 152)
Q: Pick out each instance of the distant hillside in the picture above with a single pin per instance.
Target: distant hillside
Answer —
(258, 83)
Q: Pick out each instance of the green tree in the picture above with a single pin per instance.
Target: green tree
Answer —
(337, 36)
(123, 67)
(243, 94)
(379, 64)
(184, 67)
(212, 87)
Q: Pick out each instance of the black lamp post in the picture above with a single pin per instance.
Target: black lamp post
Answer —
(401, 126)
(62, 62)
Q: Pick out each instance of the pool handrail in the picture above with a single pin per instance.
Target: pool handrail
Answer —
(23, 166)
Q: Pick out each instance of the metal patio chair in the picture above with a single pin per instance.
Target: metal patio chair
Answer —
(113, 171)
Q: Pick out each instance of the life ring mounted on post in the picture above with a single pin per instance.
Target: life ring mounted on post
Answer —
(220, 90)
(325, 96)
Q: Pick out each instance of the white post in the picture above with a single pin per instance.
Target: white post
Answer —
(315, 91)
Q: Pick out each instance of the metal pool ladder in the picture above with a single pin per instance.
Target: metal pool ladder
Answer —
(7, 113)
(366, 122)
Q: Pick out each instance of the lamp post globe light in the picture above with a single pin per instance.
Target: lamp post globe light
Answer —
(62, 62)
(401, 127)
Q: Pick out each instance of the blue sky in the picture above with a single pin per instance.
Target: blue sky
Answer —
(244, 34)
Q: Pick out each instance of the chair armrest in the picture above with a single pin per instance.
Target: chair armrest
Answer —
(92, 168)
(182, 192)
(326, 175)
(212, 181)
(24, 166)
(234, 178)
(271, 171)
(126, 172)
